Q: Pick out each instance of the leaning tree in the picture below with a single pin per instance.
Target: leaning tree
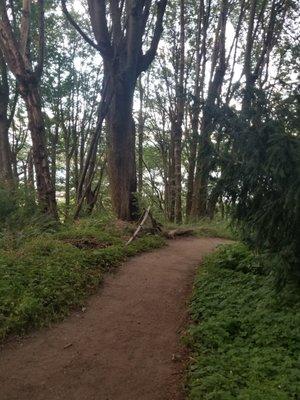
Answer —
(121, 30)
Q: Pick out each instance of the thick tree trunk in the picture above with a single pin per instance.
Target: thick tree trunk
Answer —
(45, 189)
(121, 150)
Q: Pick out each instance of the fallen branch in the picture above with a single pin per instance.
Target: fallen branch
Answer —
(139, 227)
(178, 232)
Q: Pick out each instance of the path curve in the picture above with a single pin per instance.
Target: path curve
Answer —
(121, 347)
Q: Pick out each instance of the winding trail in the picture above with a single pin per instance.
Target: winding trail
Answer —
(122, 346)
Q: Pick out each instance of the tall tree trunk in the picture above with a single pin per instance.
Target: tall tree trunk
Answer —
(247, 59)
(180, 115)
(67, 186)
(54, 143)
(30, 198)
(195, 111)
(45, 188)
(177, 129)
(199, 204)
(75, 168)
(176, 118)
(95, 194)
(6, 172)
(141, 123)
(170, 188)
(192, 156)
(121, 150)
(204, 158)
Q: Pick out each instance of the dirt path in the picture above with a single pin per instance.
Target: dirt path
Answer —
(121, 347)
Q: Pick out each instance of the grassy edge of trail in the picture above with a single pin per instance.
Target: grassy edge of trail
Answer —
(47, 275)
(244, 336)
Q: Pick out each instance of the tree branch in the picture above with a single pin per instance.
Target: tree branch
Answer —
(69, 17)
(9, 44)
(147, 58)
(97, 11)
(41, 50)
(24, 29)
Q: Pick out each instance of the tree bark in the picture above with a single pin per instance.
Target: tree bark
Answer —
(30, 198)
(67, 186)
(6, 172)
(121, 150)
(204, 158)
(170, 187)
(176, 115)
(141, 124)
(177, 135)
(45, 188)
(202, 25)
(179, 118)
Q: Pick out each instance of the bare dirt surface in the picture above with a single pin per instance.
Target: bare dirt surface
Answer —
(124, 346)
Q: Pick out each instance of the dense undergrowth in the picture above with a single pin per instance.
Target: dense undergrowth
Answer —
(245, 336)
(46, 270)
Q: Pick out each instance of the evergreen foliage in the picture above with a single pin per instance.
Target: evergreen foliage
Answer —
(262, 179)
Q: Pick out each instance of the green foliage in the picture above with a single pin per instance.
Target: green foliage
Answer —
(16, 206)
(244, 337)
(6, 205)
(42, 277)
(262, 179)
(239, 257)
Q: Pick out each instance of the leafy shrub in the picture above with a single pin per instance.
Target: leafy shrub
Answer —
(238, 257)
(244, 337)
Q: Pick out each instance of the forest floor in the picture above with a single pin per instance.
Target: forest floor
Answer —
(124, 345)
